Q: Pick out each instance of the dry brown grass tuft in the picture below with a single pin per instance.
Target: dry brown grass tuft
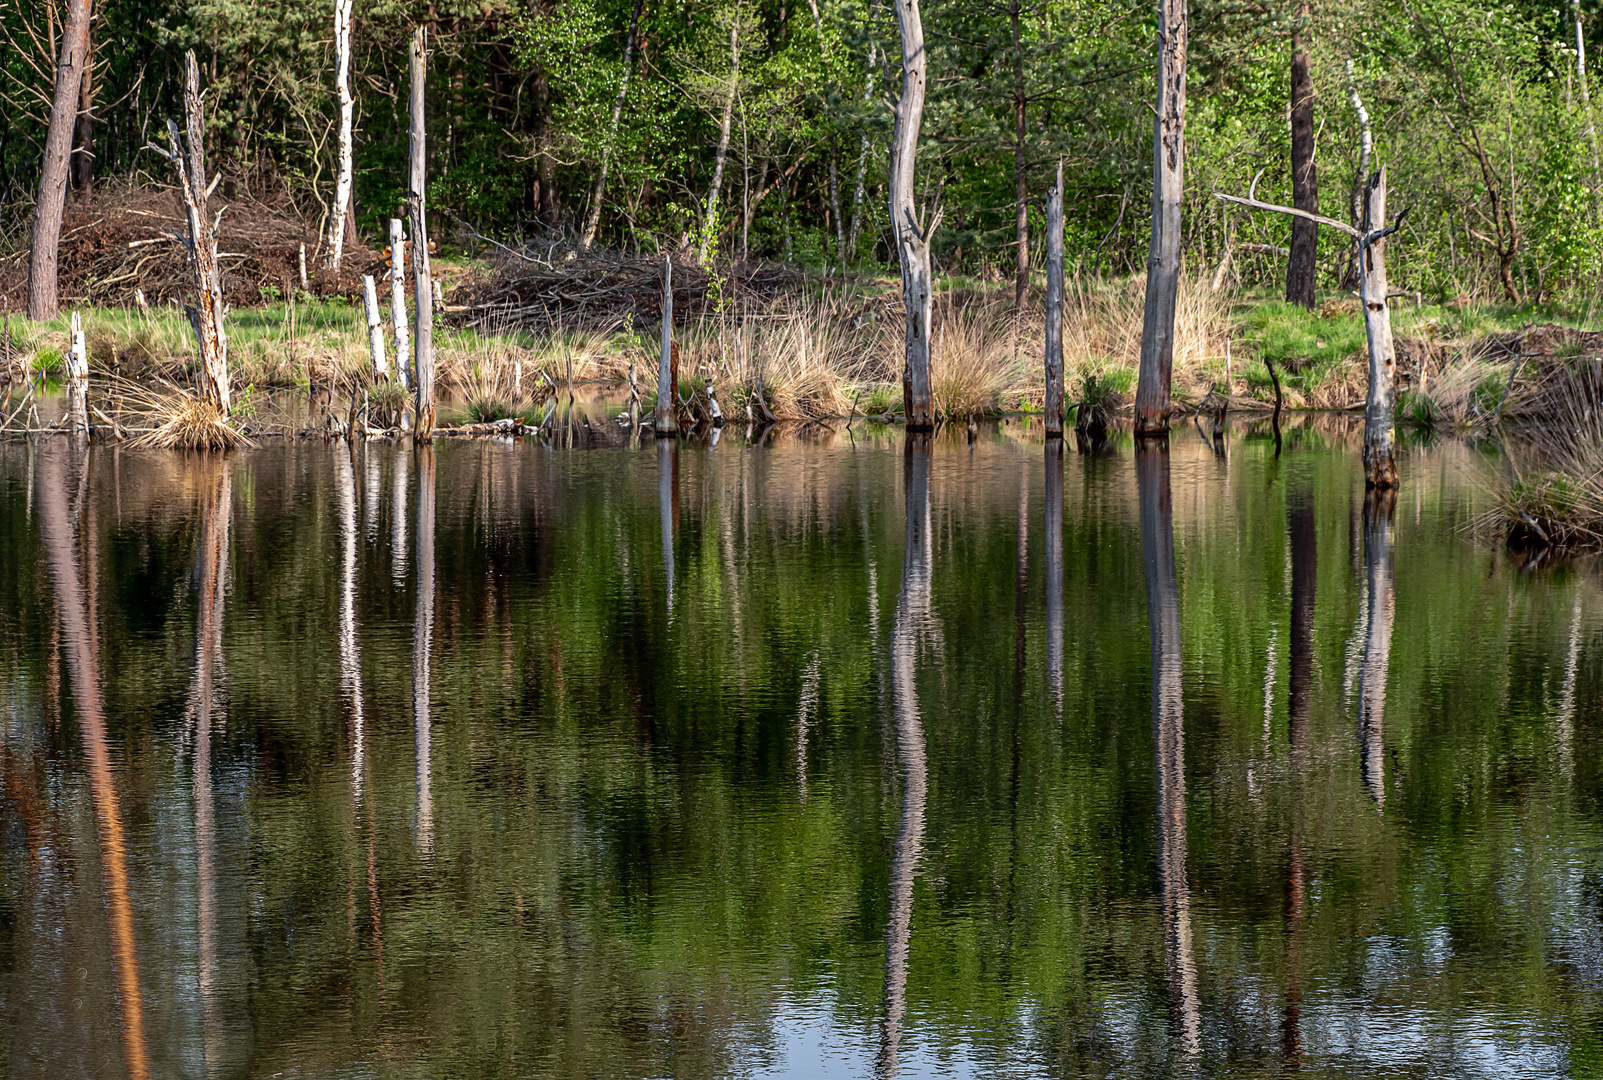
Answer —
(182, 420)
(1560, 503)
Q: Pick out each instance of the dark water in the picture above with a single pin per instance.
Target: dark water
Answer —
(814, 757)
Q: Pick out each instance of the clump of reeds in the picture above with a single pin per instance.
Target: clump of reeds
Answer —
(982, 351)
(1561, 503)
(183, 420)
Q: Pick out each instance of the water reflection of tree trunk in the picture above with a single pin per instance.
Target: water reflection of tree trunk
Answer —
(400, 484)
(350, 648)
(216, 510)
(1054, 570)
(422, 635)
(668, 505)
(84, 666)
(911, 627)
(1304, 577)
(1168, 736)
(1380, 598)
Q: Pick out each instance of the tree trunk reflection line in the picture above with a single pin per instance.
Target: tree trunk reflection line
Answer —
(1381, 604)
(1168, 737)
(911, 626)
(667, 506)
(1054, 571)
(350, 648)
(72, 609)
(423, 632)
(216, 513)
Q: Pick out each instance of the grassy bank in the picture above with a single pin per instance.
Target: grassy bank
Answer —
(829, 349)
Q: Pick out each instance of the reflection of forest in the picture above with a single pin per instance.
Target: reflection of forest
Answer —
(472, 647)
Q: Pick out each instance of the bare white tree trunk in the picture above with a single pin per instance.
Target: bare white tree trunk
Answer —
(1168, 191)
(347, 104)
(1379, 469)
(403, 345)
(422, 280)
(709, 220)
(912, 236)
(592, 220)
(1586, 90)
(375, 327)
(667, 419)
(858, 189)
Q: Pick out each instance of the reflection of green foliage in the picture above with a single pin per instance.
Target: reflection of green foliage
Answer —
(624, 867)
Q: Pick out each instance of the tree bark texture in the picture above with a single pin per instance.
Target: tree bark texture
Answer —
(403, 346)
(347, 105)
(1021, 210)
(1379, 469)
(1054, 309)
(667, 418)
(422, 281)
(42, 253)
(207, 315)
(912, 236)
(709, 220)
(592, 219)
(83, 145)
(1163, 255)
(1302, 267)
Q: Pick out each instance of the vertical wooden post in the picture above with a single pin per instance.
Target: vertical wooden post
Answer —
(77, 379)
(375, 327)
(1168, 190)
(207, 314)
(403, 346)
(1054, 309)
(912, 236)
(1380, 471)
(667, 421)
(422, 281)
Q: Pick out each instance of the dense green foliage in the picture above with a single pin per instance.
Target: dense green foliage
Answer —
(1476, 110)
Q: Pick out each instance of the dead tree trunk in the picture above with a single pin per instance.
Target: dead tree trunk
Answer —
(347, 105)
(592, 220)
(42, 299)
(667, 420)
(1054, 309)
(1168, 189)
(403, 347)
(422, 282)
(207, 315)
(1379, 469)
(1302, 267)
(1021, 210)
(912, 236)
(375, 327)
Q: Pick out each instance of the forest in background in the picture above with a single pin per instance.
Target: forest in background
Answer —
(1482, 114)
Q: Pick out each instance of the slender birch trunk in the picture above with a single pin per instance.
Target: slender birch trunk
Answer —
(1054, 309)
(709, 221)
(43, 302)
(347, 104)
(1366, 151)
(859, 188)
(912, 236)
(593, 218)
(403, 346)
(422, 281)
(375, 327)
(1168, 189)
(1586, 90)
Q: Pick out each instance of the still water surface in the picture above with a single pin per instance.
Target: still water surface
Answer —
(820, 756)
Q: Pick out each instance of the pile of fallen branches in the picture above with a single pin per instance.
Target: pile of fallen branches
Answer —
(538, 289)
(121, 246)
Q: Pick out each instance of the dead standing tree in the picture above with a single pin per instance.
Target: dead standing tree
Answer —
(422, 283)
(1168, 192)
(1054, 309)
(1380, 471)
(207, 315)
(912, 238)
(42, 254)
